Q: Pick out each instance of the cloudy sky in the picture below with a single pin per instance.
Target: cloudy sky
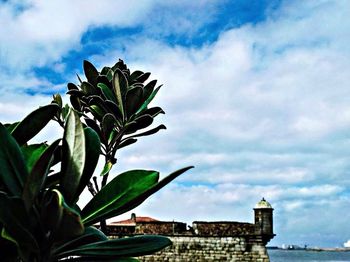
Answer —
(256, 94)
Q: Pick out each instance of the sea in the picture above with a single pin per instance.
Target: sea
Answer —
(277, 255)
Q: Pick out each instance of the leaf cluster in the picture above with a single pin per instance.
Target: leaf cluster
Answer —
(40, 184)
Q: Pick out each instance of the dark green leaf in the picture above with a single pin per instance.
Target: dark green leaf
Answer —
(104, 80)
(53, 180)
(135, 75)
(100, 103)
(109, 75)
(34, 123)
(71, 225)
(75, 102)
(105, 70)
(97, 112)
(89, 89)
(148, 89)
(107, 92)
(13, 171)
(15, 221)
(114, 109)
(32, 153)
(120, 65)
(73, 156)
(10, 127)
(91, 123)
(133, 100)
(77, 93)
(90, 235)
(72, 86)
(108, 123)
(92, 149)
(148, 100)
(123, 247)
(121, 190)
(8, 250)
(143, 77)
(127, 142)
(140, 123)
(132, 203)
(149, 132)
(153, 111)
(38, 174)
(51, 212)
(93, 259)
(91, 72)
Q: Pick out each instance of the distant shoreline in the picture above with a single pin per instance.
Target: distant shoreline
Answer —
(315, 249)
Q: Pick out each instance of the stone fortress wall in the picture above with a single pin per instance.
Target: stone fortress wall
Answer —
(206, 241)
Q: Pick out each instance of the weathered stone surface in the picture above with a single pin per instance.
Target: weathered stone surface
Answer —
(192, 248)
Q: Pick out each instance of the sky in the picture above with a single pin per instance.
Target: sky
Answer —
(256, 95)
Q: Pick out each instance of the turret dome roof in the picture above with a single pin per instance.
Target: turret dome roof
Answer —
(263, 204)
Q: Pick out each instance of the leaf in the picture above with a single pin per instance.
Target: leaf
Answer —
(98, 101)
(91, 72)
(107, 92)
(133, 100)
(153, 111)
(13, 171)
(120, 87)
(8, 250)
(148, 89)
(71, 224)
(53, 180)
(92, 124)
(88, 89)
(114, 109)
(123, 247)
(51, 211)
(34, 123)
(143, 77)
(108, 123)
(37, 176)
(72, 86)
(32, 153)
(73, 157)
(92, 149)
(105, 70)
(15, 221)
(149, 132)
(107, 167)
(104, 80)
(58, 100)
(148, 100)
(75, 102)
(77, 93)
(138, 199)
(93, 259)
(10, 127)
(127, 142)
(90, 235)
(97, 112)
(117, 193)
(135, 75)
(140, 123)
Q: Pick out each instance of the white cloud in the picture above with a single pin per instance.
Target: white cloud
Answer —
(264, 111)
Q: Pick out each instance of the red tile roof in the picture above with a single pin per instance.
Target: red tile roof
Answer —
(133, 222)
